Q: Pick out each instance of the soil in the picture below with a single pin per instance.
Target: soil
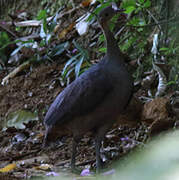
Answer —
(34, 90)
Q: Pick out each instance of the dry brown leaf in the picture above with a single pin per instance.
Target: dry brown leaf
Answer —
(57, 27)
(63, 33)
(156, 110)
(70, 27)
(8, 168)
(43, 167)
(86, 3)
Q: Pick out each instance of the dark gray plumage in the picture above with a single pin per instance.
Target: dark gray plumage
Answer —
(94, 100)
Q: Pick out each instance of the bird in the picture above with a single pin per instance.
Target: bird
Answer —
(93, 101)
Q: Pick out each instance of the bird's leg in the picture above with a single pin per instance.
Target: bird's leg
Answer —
(74, 150)
(74, 146)
(98, 159)
(99, 137)
(46, 137)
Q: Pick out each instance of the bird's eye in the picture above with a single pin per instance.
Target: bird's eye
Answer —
(106, 14)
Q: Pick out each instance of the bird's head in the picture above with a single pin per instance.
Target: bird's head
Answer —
(107, 13)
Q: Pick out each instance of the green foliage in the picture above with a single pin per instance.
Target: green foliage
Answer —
(135, 6)
(42, 15)
(171, 52)
(174, 74)
(51, 53)
(129, 6)
(4, 39)
(136, 37)
(19, 118)
(46, 28)
(99, 8)
(175, 81)
(77, 64)
(4, 42)
(45, 33)
(59, 49)
(134, 40)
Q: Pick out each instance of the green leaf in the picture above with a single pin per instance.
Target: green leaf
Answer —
(83, 51)
(59, 49)
(69, 62)
(16, 50)
(134, 21)
(128, 3)
(140, 29)
(171, 83)
(78, 66)
(101, 38)
(42, 15)
(4, 38)
(164, 49)
(101, 1)
(19, 118)
(141, 1)
(129, 43)
(147, 4)
(130, 9)
(45, 26)
(98, 9)
(103, 50)
(42, 43)
(52, 26)
(67, 73)
(78, 46)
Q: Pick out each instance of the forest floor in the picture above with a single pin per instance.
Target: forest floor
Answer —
(35, 91)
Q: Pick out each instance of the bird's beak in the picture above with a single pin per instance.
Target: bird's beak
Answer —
(120, 10)
(114, 6)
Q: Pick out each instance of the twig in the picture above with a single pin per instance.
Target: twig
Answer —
(15, 158)
(162, 84)
(119, 32)
(156, 21)
(86, 162)
(15, 71)
(69, 12)
(6, 29)
(156, 24)
(39, 22)
(167, 17)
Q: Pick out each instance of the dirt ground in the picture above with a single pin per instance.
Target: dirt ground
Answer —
(34, 90)
(31, 90)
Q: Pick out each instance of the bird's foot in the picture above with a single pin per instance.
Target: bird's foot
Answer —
(100, 167)
(76, 170)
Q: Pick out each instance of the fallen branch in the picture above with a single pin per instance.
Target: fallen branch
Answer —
(7, 30)
(23, 66)
(39, 22)
(15, 158)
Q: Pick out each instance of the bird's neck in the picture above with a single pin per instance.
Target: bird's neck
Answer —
(111, 43)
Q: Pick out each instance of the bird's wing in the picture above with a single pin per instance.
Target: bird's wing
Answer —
(80, 97)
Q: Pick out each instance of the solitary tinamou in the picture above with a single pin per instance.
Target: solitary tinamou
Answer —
(93, 101)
